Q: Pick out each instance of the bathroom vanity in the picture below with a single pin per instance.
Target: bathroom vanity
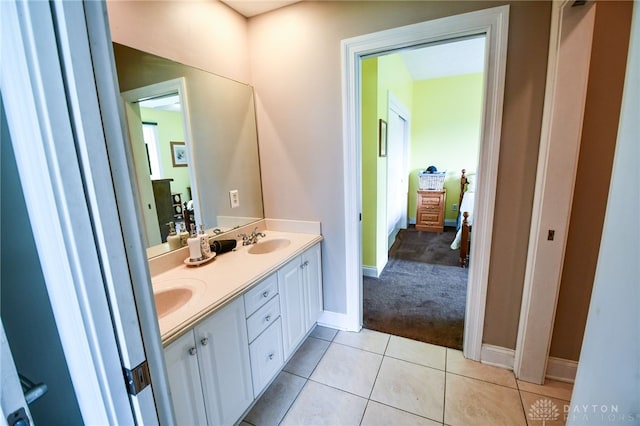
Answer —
(230, 325)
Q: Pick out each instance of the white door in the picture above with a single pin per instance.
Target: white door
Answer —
(13, 406)
(397, 174)
(59, 127)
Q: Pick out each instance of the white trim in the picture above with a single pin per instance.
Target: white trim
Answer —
(562, 370)
(336, 320)
(565, 95)
(497, 356)
(494, 23)
(371, 271)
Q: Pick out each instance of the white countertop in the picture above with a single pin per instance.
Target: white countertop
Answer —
(222, 279)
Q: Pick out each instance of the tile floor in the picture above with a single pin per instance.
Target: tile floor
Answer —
(372, 378)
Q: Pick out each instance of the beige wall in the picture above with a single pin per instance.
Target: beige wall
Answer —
(298, 85)
(203, 34)
(600, 128)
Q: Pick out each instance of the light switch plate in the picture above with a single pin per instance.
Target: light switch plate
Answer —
(234, 198)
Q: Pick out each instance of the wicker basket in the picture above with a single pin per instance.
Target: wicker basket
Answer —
(431, 181)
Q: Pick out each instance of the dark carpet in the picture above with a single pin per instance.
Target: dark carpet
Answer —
(421, 293)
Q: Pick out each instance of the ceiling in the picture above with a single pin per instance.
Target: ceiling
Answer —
(249, 8)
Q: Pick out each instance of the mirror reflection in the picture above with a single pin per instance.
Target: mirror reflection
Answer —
(194, 145)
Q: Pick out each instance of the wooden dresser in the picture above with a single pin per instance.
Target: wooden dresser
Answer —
(430, 211)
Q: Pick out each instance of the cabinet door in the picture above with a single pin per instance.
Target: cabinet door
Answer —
(312, 271)
(223, 357)
(184, 381)
(292, 305)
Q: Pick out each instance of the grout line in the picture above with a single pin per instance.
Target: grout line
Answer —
(293, 402)
(444, 397)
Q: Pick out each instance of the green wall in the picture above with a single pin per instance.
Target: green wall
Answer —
(446, 118)
(170, 129)
(380, 75)
(445, 132)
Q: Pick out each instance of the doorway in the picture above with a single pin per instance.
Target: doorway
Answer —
(493, 23)
(414, 286)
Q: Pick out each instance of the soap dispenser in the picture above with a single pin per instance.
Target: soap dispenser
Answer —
(173, 238)
(195, 249)
(204, 242)
(184, 235)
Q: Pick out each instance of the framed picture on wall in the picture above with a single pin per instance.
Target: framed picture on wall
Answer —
(382, 127)
(178, 154)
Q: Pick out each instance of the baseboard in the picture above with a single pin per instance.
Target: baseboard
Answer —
(450, 222)
(370, 271)
(336, 320)
(497, 356)
(562, 370)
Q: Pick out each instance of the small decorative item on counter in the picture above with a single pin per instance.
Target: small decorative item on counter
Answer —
(204, 242)
(173, 238)
(195, 247)
(184, 236)
(223, 246)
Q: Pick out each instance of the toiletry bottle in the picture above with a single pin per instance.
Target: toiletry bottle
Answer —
(184, 235)
(173, 238)
(204, 242)
(195, 249)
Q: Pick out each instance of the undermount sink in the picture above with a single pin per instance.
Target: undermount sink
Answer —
(168, 301)
(269, 246)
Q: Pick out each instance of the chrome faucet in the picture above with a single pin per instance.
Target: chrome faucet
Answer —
(251, 238)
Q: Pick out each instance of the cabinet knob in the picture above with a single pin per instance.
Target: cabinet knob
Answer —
(265, 294)
(271, 356)
(204, 341)
(192, 351)
(267, 318)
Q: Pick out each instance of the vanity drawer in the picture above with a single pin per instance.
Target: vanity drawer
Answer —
(266, 357)
(263, 318)
(260, 294)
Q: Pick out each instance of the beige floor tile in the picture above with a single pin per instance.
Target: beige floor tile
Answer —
(276, 400)
(378, 414)
(544, 410)
(323, 405)
(368, 340)
(350, 369)
(410, 387)
(418, 352)
(475, 402)
(458, 364)
(551, 388)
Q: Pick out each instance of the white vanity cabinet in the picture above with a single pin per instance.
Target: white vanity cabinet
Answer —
(219, 367)
(300, 288)
(215, 357)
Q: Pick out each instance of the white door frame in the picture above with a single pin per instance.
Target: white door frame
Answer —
(565, 96)
(131, 98)
(494, 23)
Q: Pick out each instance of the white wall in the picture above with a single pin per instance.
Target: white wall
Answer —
(608, 375)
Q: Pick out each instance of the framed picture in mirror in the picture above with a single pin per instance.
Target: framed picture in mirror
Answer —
(179, 154)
